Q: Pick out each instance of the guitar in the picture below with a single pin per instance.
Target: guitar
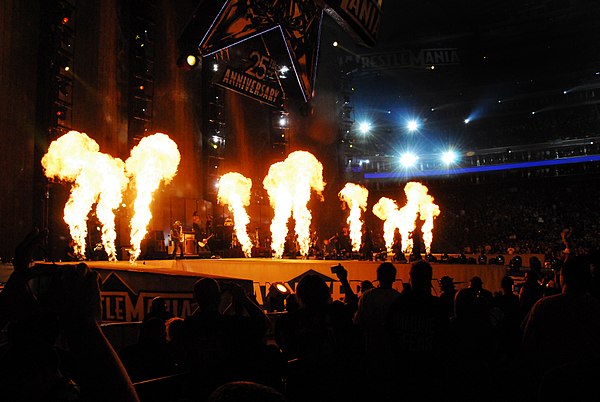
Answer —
(203, 242)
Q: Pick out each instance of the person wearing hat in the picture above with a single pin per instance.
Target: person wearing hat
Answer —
(472, 304)
(448, 291)
(176, 238)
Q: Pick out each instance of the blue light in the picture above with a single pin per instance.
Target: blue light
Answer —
(449, 157)
(412, 125)
(490, 168)
(364, 127)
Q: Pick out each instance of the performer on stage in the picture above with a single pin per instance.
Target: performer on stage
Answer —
(417, 238)
(197, 229)
(177, 239)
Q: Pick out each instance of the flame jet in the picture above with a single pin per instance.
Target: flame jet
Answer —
(418, 201)
(234, 190)
(96, 177)
(417, 194)
(289, 184)
(387, 210)
(356, 197)
(154, 160)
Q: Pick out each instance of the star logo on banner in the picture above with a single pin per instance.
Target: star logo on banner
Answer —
(218, 25)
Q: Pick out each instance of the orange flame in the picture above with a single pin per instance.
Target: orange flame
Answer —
(154, 160)
(96, 177)
(387, 210)
(234, 190)
(417, 193)
(356, 197)
(289, 184)
(418, 201)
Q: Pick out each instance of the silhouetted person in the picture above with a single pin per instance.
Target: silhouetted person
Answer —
(158, 309)
(344, 243)
(447, 294)
(564, 330)
(177, 239)
(175, 343)
(31, 367)
(366, 247)
(321, 344)
(70, 251)
(509, 319)
(417, 238)
(148, 358)
(365, 286)
(373, 307)
(473, 337)
(418, 326)
(397, 246)
(222, 347)
(530, 292)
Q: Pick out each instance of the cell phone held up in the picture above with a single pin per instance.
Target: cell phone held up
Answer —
(336, 268)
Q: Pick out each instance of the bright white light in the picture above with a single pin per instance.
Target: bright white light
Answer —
(408, 159)
(282, 122)
(449, 157)
(467, 120)
(335, 44)
(215, 67)
(412, 125)
(284, 69)
(191, 60)
(364, 127)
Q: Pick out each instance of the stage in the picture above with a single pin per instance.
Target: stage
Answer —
(263, 272)
(128, 289)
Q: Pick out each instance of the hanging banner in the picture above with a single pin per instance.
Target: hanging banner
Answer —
(218, 25)
(404, 59)
(254, 75)
(360, 18)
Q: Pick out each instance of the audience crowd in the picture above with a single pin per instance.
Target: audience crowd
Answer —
(472, 344)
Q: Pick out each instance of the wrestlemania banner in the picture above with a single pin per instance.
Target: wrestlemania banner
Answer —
(404, 59)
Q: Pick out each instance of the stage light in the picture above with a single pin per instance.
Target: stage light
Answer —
(516, 262)
(449, 157)
(279, 119)
(188, 60)
(467, 120)
(412, 125)
(364, 127)
(276, 296)
(215, 67)
(283, 71)
(408, 159)
(191, 60)
(335, 44)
